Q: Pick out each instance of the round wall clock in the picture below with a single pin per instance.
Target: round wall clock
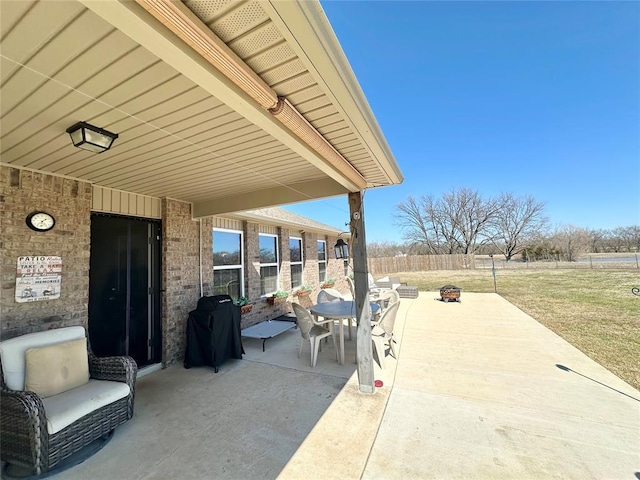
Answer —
(40, 221)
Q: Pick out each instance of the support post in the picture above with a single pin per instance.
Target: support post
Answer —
(361, 283)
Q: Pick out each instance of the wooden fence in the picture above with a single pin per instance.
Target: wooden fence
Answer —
(420, 263)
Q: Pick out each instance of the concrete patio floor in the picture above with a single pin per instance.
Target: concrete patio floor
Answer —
(477, 392)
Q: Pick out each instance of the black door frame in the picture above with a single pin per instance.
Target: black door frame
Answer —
(153, 285)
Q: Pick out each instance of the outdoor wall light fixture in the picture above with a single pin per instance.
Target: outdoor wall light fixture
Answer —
(95, 139)
(342, 249)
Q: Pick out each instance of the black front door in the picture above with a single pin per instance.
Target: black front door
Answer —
(124, 288)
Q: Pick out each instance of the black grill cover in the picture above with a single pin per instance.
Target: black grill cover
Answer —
(213, 333)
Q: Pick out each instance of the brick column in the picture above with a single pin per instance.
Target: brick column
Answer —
(207, 256)
(252, 261)
(310, 267)
(285, 259)
(181, 277)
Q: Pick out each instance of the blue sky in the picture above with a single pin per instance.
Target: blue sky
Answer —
(533, 98)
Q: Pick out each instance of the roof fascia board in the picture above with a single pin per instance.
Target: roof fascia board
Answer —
(282, 223)
(135, 22)
(306, 28)
(269, 197)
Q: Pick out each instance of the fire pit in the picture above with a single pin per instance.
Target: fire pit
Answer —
(450, 293)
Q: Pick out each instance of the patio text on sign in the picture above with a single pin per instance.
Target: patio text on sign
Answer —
(38, 278)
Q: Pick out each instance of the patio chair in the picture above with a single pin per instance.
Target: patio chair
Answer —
(58, 397)
(374, 290)
(311, 331)
(329, 295)
(383, 332)
(386, 299)
(332, 295)
(352, 288)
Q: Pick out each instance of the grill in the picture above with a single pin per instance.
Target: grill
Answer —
(450, 293)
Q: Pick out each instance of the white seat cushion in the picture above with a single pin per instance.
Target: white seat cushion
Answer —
(65, 408)
(12, 351)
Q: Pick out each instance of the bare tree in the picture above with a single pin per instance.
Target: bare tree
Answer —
(629, 237)
(516, 220)
(615, 242)
(597, 238)
(571, 241)
(472, 216)
(456, 223)
(417, 227)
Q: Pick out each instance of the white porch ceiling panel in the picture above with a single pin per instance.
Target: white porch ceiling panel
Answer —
(61, 63)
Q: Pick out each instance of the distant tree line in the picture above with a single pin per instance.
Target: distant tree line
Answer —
(463, 221)
(568, 242)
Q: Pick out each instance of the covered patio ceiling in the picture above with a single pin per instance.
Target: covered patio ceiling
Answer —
(188, 87)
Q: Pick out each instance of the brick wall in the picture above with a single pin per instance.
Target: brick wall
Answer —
(69, 201)
(335, 267)
(22, 192)
(180, 275)
(261, 309)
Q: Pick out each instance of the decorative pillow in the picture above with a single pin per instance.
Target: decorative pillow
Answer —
(56, 368)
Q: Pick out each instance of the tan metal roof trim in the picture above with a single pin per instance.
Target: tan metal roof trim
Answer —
(186, 25)
(293, 119)
(283, 218)
(307, 29)
(183, 22)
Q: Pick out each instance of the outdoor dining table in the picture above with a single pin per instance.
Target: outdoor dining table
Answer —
(339, 311)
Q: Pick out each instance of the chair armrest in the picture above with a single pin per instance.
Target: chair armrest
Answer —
(321, 323)
(117, 369)
(23, 428)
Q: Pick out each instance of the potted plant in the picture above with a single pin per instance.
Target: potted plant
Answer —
(303, 290)
(328, 283)
(278, 297)
(243, 303)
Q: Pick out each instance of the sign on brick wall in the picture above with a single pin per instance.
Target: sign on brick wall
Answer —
(38, 278)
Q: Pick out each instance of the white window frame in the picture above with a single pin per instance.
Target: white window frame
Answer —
(231, 267)
(324, 242)
(301, 262)
(276, 264)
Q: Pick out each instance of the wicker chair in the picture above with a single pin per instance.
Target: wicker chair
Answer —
(25, 440)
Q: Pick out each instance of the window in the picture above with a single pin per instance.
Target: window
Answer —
(268, 263)
(295, 249)
(228, 271)
(322, 260)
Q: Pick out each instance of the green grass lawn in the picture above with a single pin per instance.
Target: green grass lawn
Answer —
(594, 310)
